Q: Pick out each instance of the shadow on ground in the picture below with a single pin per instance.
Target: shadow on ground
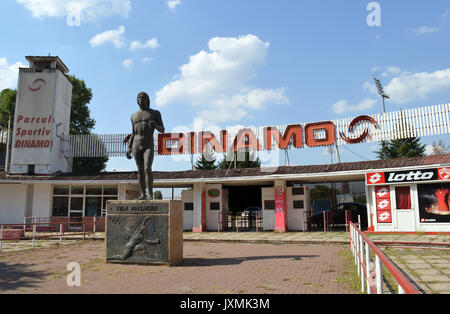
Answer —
(15, 276)
(237, 260)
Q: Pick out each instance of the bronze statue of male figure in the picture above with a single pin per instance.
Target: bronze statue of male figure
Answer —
(141, 145)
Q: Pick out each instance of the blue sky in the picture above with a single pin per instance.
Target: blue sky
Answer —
(237, 62)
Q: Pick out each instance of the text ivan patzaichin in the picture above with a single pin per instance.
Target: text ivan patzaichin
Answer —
(227, 304)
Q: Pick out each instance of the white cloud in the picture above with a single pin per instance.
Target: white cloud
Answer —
(343, 106)
(417, 86)
(172, 4)
(113, 36)
(9, 73)
(149, 44)
(146, 60)
(127, 63)
(89, 10)
(217, 80)
(391, 71)
(424, 30)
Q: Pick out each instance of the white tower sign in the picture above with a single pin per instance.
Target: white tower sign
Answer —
(42, 118)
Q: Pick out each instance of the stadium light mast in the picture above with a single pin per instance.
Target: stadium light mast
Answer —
(381, 92)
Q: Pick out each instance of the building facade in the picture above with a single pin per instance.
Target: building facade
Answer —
(401, 195)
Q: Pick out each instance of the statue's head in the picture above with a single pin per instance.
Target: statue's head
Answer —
(143, 100)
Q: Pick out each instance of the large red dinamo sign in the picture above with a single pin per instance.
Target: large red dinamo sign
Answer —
(414, 122)
(311, 135)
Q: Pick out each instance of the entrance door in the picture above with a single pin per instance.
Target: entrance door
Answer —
(76, 208)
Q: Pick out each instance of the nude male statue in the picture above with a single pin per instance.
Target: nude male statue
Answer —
(141, 145)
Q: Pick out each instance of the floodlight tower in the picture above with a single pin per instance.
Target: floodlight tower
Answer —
(381, 91)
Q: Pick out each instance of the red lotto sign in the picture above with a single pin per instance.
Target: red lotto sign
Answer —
(382, 192)
(383, 200)
(384, 216)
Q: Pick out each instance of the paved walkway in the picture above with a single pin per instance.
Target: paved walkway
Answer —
(428, 268)
(207, 268)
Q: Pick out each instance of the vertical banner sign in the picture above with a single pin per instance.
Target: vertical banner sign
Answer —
(280, 212)
(32, 138)
(384, 208)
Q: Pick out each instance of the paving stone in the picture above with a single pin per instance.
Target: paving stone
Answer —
(442, 288)
(415, 261)
(418, 266)
(434, 278)
(430, 272)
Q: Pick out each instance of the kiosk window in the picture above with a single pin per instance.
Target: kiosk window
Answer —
(189, 206)
(214, 206)
(298, 191)
(403, 197)
(299, 204)
(269, 205)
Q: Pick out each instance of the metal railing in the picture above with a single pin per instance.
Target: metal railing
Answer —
(371, 272)
(227, 222)
(48, 228)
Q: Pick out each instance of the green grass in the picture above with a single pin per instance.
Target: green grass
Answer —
(349, 277)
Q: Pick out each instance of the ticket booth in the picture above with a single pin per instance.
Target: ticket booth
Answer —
(416, 200)
(268, 208)
(188, 209)
(214, 206)
(297, 203)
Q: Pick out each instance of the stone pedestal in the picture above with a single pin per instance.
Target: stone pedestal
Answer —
(144, 232)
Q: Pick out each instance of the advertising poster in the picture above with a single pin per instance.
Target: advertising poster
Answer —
(434, 203)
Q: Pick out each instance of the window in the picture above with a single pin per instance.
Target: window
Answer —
(403, 197)
(269, 205)
(214, 206)
(82, 200)
(93, 206)
(61, 190)
(110, 190)
(189, 206)
(299, 204)
(298, 191)
(94, 190)
(60, 206)
(79, 190)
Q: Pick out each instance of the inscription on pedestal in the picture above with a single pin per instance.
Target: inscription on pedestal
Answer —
(138, 232)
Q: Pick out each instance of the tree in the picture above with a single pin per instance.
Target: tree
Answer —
(206, 162)
(410, 147)
(440, 148)
(157, 195)
(80, 121)
(7, 106)
(245, 159)
(81, 124)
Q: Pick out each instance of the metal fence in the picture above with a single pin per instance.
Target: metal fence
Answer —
(41, 228)
(371, 271)
(423, 121)
(238, 223)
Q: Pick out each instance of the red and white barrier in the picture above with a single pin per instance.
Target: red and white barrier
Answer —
(361, 248)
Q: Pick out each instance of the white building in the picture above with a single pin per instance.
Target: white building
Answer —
(416, 201)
